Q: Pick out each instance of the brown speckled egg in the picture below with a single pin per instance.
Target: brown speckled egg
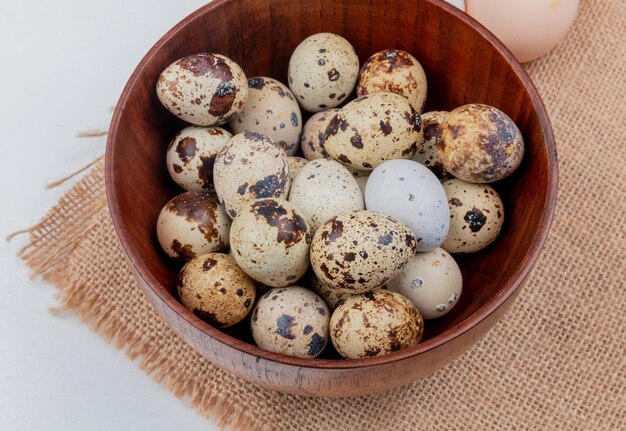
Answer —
(322, 71)
(480, 144)
(375, 324)
(330, 296)
(291, 320)
(372, 129)
(191, 224)
(476, 216)
(203, 89)
(216, 290)
(324, 189)
(272, 110)
(270, 240)
(312, 141)
(295, 164)
(432, 281)
(426, 153)
(251, 166)
(191, 154)
(360, 251)
(394, 71)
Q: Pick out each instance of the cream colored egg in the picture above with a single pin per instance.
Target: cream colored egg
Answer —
(216, 290)
(394, 71)
(312, 141)
(323, 70)
(191, 224)
(432, 281)
(480, 144)
(191, 154)
(291, 320)
(360, 251)
(375, 324)
(270, 240)
(272, 110)
(330, 296)
(203, 89)
(426, 153)
(295, 164)
(251, 166)
(372, 129)
(323, 189)
(476, 216)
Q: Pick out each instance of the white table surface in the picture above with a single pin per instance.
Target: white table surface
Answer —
(63, 65)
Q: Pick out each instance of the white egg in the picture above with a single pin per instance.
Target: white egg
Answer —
(411, 193)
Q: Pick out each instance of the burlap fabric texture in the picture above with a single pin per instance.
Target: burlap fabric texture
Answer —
(556, 361)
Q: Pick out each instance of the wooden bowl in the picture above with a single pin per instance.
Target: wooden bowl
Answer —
(464, 63)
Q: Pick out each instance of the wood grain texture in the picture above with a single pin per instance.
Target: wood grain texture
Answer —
(464, 64)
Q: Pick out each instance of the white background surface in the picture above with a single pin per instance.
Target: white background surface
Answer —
(63, 65)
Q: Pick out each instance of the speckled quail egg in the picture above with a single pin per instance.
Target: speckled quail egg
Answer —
(408, 191)
(191, 154)
(476, 216)
(322, 72)
(272, 110)
(426, 153)
(330, 296)
(191, 224)
(432, 281)
(312, 140)
(480, 144)
(270, 240)
(375, 324)
(251, 166)
(291, 320)
(216, 290)
(324, 189)
(203, 89)
(372, 129)
(295, 164)
(394, 71)
(360, 251)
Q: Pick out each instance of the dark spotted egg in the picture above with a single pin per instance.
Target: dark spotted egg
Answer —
(480, 144)
(322, 72)
(291, 320)
(271, 109)
(426, 153)
(216, 290)
(191, 154)
(203, 89)
(312, 141)
(476, 216)
(191, 224)
(250, 166)
(375, 324)
(372, 129)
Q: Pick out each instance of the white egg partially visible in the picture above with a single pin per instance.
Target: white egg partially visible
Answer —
(411, 193)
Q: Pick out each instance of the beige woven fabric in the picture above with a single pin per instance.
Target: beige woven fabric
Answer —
(555, 362)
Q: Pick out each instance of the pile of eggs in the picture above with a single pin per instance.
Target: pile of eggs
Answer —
(351, 243)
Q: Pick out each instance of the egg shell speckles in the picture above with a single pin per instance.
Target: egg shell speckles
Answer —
(432, 281)
(293, 321)
(203, 89)
(271, 109)
(372, 129)
(323, 70)
(270, 240)
(409, 192)
(312, 141)
(374, 324)
(216, 290)
(324, 189)
(480, 144)
(330, 296)
(476, 216)
(251, 166)
(191, 224)
(295, 164)
(191, 155)
(394, 71)
(360, 251)
(427, 153)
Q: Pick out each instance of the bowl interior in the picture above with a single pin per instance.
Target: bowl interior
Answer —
(464, 64)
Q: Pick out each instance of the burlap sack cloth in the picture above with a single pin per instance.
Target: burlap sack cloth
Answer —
(556, 361)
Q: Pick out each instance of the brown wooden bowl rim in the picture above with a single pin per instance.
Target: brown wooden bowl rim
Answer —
(478, 316)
